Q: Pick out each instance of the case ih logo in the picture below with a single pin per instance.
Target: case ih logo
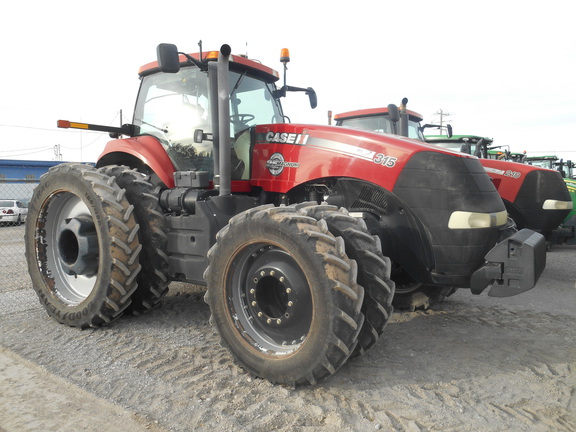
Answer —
(276, 164)
(287, 138)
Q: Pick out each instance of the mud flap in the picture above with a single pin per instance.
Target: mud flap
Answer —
(512, 266)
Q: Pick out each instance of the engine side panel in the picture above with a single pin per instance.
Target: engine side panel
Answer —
(286, 155)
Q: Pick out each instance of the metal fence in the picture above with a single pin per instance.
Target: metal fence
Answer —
(13, 267)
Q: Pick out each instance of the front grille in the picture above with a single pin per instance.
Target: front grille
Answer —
(371, 199)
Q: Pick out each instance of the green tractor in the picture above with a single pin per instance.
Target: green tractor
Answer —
(567, 233)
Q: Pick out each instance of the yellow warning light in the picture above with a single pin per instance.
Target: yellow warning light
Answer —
(285, 55)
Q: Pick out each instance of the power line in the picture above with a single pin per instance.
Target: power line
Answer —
(34, 152)
(28, 127)
(55, 129)
(19, 150)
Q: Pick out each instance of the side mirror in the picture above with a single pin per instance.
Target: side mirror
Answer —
(168, 59)
(312, 96)
(200, 136)
(479, 149)
(449, 128)
(393, 113)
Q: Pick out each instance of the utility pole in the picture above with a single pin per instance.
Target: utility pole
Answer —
(57, 154)
(442, 114)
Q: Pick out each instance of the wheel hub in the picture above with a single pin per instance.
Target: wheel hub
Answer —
(78, 246)
(271, 297)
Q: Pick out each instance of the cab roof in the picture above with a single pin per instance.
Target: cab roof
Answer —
(238, 63)
(458, 138)
(373, 112)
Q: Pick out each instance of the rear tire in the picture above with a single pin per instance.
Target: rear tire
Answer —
(144, 196)
(82, 246)
(283, 295)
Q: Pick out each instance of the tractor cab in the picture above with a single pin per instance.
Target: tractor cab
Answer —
(470, 144)
(176, 109)
(565, 168)
(384, 120)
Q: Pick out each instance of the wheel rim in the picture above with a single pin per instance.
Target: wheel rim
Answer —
(269, 299)
(71, 247)
(404, 283)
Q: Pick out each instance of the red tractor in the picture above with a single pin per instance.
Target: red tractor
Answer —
(284, 223)
(535, 198)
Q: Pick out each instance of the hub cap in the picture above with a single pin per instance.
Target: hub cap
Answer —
(71, 244)
(270, 300)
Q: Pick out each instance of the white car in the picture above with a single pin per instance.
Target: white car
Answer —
(13, 211)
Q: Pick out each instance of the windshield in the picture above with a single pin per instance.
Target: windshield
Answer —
(381, 124)
(455, 146)
(375, 123)
(414, 130)
(171, 106)
(543, 163)
(251, 103)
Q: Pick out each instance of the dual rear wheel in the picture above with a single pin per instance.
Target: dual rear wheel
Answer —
(82, 246)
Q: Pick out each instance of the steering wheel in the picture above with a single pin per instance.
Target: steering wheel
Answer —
(242, 118)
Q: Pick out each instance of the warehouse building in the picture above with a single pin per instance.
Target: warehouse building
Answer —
(18, 178)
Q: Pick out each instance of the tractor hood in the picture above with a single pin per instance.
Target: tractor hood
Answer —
(510, 177)
(286, 155)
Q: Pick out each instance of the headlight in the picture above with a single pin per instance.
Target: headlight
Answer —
(551, 204)
(472, 220)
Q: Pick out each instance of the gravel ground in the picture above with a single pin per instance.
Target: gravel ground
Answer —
(471, 363)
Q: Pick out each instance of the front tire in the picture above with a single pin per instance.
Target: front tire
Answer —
(373, 269)
(412, 295)
(283, 295)
(82, 246)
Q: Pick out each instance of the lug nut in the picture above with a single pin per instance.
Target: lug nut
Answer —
(290, 303)
(288, 290)
(278, 321)
(254, 303)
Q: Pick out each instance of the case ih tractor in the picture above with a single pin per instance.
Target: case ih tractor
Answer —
(541, 201)
(284, 223)
(535, 198)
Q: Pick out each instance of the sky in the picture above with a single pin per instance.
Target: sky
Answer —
(502, 69)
